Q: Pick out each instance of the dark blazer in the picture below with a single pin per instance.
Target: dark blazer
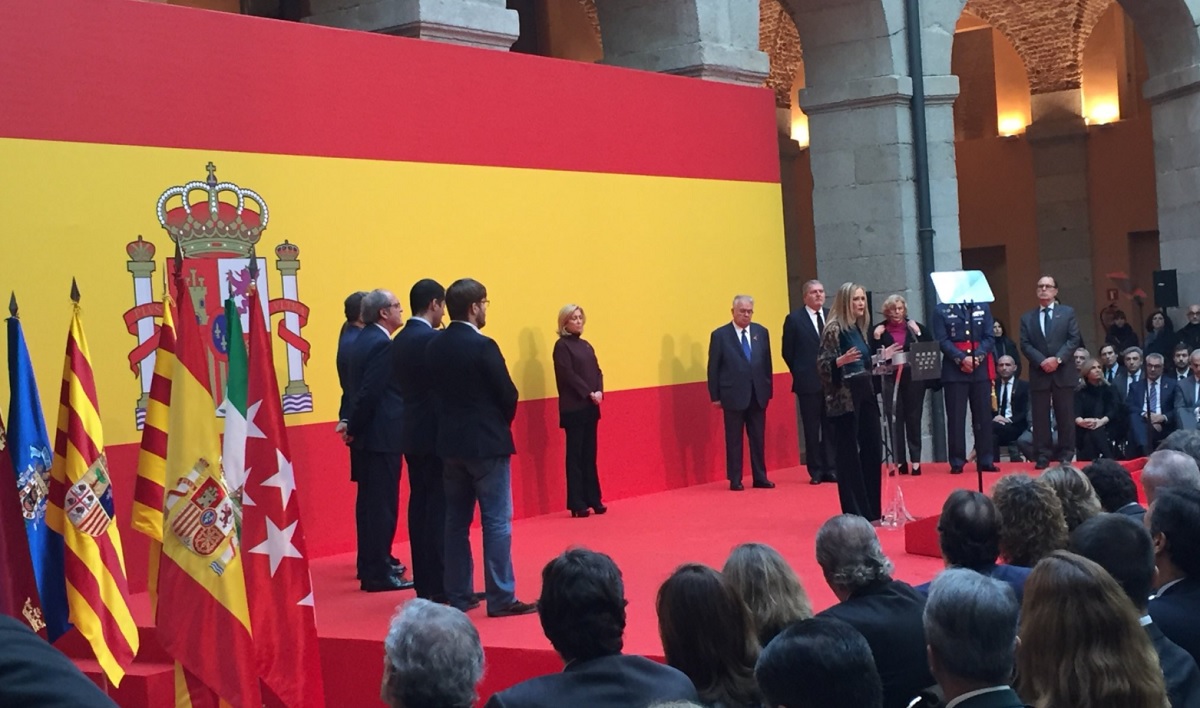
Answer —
(1019, 402)
(617, 681)
(1185, 403)
(474, 395)
(345, 345)
(1012, 575)
(1178, 667)
(1061, 341)
(1121, 381)
(1177, 614)
(577, 373)
(731, 378)
(801, 344)
(1133, 510)
(1137, 399)
(374, 416)
(888, 614)
(37, 674)
(418, 433)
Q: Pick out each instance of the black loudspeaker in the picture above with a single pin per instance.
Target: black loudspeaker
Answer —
(1166, 288)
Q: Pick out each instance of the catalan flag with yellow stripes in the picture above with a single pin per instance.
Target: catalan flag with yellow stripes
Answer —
(147, 515)
(80, 507)
(203, 615)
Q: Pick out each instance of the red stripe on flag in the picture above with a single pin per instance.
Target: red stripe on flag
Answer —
(81, 368)
(148, 493)
(160, 389)
(88, 587)
(78, 436)
(154, 441)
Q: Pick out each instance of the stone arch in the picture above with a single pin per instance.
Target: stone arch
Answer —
(1170, 30)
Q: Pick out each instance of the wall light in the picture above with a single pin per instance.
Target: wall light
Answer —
(1103, 114)
(799, 131)
(1010, 126)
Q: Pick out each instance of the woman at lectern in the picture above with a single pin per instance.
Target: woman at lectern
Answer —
(898, 329)
(844, 363)
(580, 392)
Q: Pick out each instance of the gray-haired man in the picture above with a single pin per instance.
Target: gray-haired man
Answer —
(432, 657)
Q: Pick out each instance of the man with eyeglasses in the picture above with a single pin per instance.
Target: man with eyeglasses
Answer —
(1189, 334)
(1049, 338)
(1151, 403)
(372, 431)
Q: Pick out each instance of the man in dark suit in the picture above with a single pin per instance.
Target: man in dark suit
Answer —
(418, 437)
(801, 343)
(476, 401)
(1130, 373)
(1187, 395)
(964, 332)
(1049, 338)
(34, 673)
(1174, 523)
(1109, 363)
(887, 612)
(582, 609)
(970, 623)
(969, 536)
(1151, 403)
(739, 382)
(1012, 406)
(372, 430)
(1115, 488)
(1123, 547)
(350, 331)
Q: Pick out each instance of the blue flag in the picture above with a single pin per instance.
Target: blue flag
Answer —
(32, 457)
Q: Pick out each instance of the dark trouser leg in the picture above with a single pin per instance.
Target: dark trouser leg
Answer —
(575, 467)
(1003, 435)
(912, 396)
(1064, 413)
(817, 446)
(591, 476)
(870, 446)
(735, 422)
(375, 512)
(956, 394)
(851, 492)
(756, 425)
(981, 422)
(1040, 402)
(459, 570)
(427, 523)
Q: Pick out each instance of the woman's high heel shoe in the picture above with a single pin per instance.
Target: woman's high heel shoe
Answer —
(916, 470)
(580, 514)
(600, 509)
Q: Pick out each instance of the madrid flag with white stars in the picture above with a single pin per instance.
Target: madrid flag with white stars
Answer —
(278, 584)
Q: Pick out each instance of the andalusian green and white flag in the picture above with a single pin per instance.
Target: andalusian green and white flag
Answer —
(233, 450)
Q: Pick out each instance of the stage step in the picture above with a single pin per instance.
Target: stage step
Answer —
(147, 683)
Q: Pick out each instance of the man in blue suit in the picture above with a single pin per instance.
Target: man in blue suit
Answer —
(373, 430)
(965, 335)
(1151, 403)
(739, 383)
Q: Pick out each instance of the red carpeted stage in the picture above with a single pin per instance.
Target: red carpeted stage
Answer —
(648, 536)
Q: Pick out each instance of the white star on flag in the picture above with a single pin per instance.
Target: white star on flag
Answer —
(278, 544)
(307, 601)
(283, 479)
(252, 429)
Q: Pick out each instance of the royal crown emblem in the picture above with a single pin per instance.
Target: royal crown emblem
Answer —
(33, 615)
(89, 502)
(217, 226)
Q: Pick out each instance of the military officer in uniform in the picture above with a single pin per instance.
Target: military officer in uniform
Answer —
(965, 335)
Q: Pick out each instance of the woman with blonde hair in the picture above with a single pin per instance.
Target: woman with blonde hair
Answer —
(1071, 486)
(1098, 412)
(769, 587)
(580, 392)
(909, 395)
(1081, 642)
(844, 363)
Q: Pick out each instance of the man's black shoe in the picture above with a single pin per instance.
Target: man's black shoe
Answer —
(388, 584)
(1041, 465)
(815, 480)
(735, 486)
(765, 484)
(956, 470)
(517, 608)
(989, 468)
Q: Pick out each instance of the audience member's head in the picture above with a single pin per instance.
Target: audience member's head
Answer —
(1081, 640)
(1113, 484)
(1006, 366)
(969, 530)
(1154, 366)
(971, 631)
(1185, 441)
(1174, 523)
(1122, 547)
(1166, 469)
(1032, 524)
(850, 556)
(426, 294)
(1132, 357)
(1108, 355)
(464, 299)
(768, 586)
(819, 663)
(1079, 500)
(433, 658)
(718, 652)
(1081, 356)
(582, 606)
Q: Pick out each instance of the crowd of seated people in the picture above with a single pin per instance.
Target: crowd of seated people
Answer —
(1059, 590)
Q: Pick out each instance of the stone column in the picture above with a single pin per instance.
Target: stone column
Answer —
(707, 39)
(475, 23)
(1058, 140)
(1175, 111)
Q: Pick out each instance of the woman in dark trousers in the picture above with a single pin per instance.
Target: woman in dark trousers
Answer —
(580, 392)
(1097, 412)
(845, 367)
(899, 330)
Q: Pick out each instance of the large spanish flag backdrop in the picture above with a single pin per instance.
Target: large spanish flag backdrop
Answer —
(650, 200)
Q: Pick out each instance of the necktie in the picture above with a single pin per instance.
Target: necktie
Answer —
(1004, 399)
(1153, 385)
(1108, 374)
(820, 322)
(1045, 321)
(745, 345)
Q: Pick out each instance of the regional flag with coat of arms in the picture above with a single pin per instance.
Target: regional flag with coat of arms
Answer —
(203, 618)
(277, 576)
(18, 586)
(80, 509)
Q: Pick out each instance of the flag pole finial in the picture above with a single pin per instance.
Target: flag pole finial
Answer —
(12, 304)
(74, 291)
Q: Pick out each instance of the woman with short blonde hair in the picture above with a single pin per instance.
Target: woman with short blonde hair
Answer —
(903, 402)
(580, 392)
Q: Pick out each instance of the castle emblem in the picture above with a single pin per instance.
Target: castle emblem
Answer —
(217, 226)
